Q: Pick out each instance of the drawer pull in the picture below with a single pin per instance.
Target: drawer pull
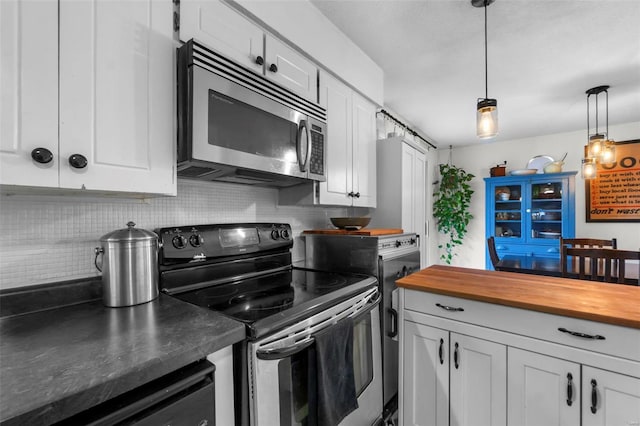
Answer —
(594, 396)
(569, 389)
(583, 335)
(441, 351)
(449, 308)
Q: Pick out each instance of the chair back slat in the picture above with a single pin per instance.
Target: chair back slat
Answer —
(493, 253)
(598, 264)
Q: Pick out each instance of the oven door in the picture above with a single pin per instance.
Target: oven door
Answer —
(279, 370)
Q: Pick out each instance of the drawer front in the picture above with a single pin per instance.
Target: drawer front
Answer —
(623, 342)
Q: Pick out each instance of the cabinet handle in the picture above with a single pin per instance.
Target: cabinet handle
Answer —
(441, 351)
(259, 60)
(351, 194)
(394, 323)
(41, 155)
(569, 389)
(78, 161)
(583, 335)
(273, 68)
(594, 396)
(449, 308)
(455, 356)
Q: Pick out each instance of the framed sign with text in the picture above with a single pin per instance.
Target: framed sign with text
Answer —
(614, 195)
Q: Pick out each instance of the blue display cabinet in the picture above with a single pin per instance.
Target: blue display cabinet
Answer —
(528, 214)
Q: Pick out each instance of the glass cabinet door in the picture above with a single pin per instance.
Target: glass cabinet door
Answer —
(545, 210)
(508, 212)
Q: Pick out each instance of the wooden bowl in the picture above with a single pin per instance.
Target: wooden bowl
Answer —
(350, 222)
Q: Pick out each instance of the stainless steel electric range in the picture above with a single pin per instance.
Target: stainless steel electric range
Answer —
(245, 271)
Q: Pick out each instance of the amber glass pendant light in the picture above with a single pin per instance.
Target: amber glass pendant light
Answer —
(600, 149)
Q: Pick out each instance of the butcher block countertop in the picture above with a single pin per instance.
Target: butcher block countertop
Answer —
(615, 304)
(57, 362)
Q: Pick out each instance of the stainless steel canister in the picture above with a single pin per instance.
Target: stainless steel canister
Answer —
(129, 266)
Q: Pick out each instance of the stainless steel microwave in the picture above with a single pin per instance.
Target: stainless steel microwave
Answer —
(237, 126)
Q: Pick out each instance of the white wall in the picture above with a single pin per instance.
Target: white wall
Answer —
(479, 158)
(51, 238)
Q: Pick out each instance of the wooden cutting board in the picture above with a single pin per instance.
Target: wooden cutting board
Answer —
(363, 231)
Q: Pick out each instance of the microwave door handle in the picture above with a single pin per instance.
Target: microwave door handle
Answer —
(303, 127)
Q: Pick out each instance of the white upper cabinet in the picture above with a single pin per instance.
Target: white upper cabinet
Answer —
(116, 95)
(29, 93)
(220, 27)
(351, 153)
(113, 99)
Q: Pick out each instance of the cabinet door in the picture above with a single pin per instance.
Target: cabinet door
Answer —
(364, 152)
(548, 214)
(336, 98)
(290, 69)
(28, 91)
(542, 390)
(218, 26)
(116, 95)
(425, 393)
(478, 382)
(609, 398)
(414, 168)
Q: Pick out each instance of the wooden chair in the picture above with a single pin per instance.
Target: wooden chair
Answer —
(588, 243)
(493, 254)
(599, 264)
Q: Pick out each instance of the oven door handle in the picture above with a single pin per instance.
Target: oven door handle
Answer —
(281, 353)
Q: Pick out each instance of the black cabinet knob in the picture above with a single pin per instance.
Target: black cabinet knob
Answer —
(273, 68)
(259, 60)
(41, 155)
(78, 161)
(357, 195)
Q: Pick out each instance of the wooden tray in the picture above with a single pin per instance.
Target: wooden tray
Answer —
(363, 231)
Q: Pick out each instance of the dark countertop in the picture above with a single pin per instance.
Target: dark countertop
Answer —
(58, 362)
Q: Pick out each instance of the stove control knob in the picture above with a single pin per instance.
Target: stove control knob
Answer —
(284, 233)
(398, 243)
(275, 234)
(179, 241)
(413, 241)
(196, 240)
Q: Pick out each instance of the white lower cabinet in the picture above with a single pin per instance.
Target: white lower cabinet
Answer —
(542, 390)
(452, 379)
(465, 362)
(609, 398)
(425, 370)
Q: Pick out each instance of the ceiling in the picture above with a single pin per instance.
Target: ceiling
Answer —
(542, 57)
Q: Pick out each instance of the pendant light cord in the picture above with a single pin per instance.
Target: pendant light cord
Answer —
(486, 72)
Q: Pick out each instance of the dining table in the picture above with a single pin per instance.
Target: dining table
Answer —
(549, 266)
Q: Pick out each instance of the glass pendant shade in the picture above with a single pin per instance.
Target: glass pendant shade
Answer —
(596, 144)
(487, 118)
(588, 168)
(608, 152)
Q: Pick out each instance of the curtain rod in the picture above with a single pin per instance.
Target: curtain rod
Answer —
(413, 132)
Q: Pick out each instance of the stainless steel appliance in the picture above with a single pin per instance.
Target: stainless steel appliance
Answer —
(387, 257)
(237, 126)
(245, 271)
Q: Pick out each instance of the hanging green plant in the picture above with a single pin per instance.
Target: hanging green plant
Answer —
(451, 207)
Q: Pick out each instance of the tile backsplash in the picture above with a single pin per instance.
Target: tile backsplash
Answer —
(52, 238)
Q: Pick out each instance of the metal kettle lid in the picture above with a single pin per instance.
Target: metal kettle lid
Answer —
(129, 234)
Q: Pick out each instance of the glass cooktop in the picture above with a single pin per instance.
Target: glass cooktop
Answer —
(274, 300)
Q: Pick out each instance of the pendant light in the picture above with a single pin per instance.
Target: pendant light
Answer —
(487, 109)
(599, 149)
